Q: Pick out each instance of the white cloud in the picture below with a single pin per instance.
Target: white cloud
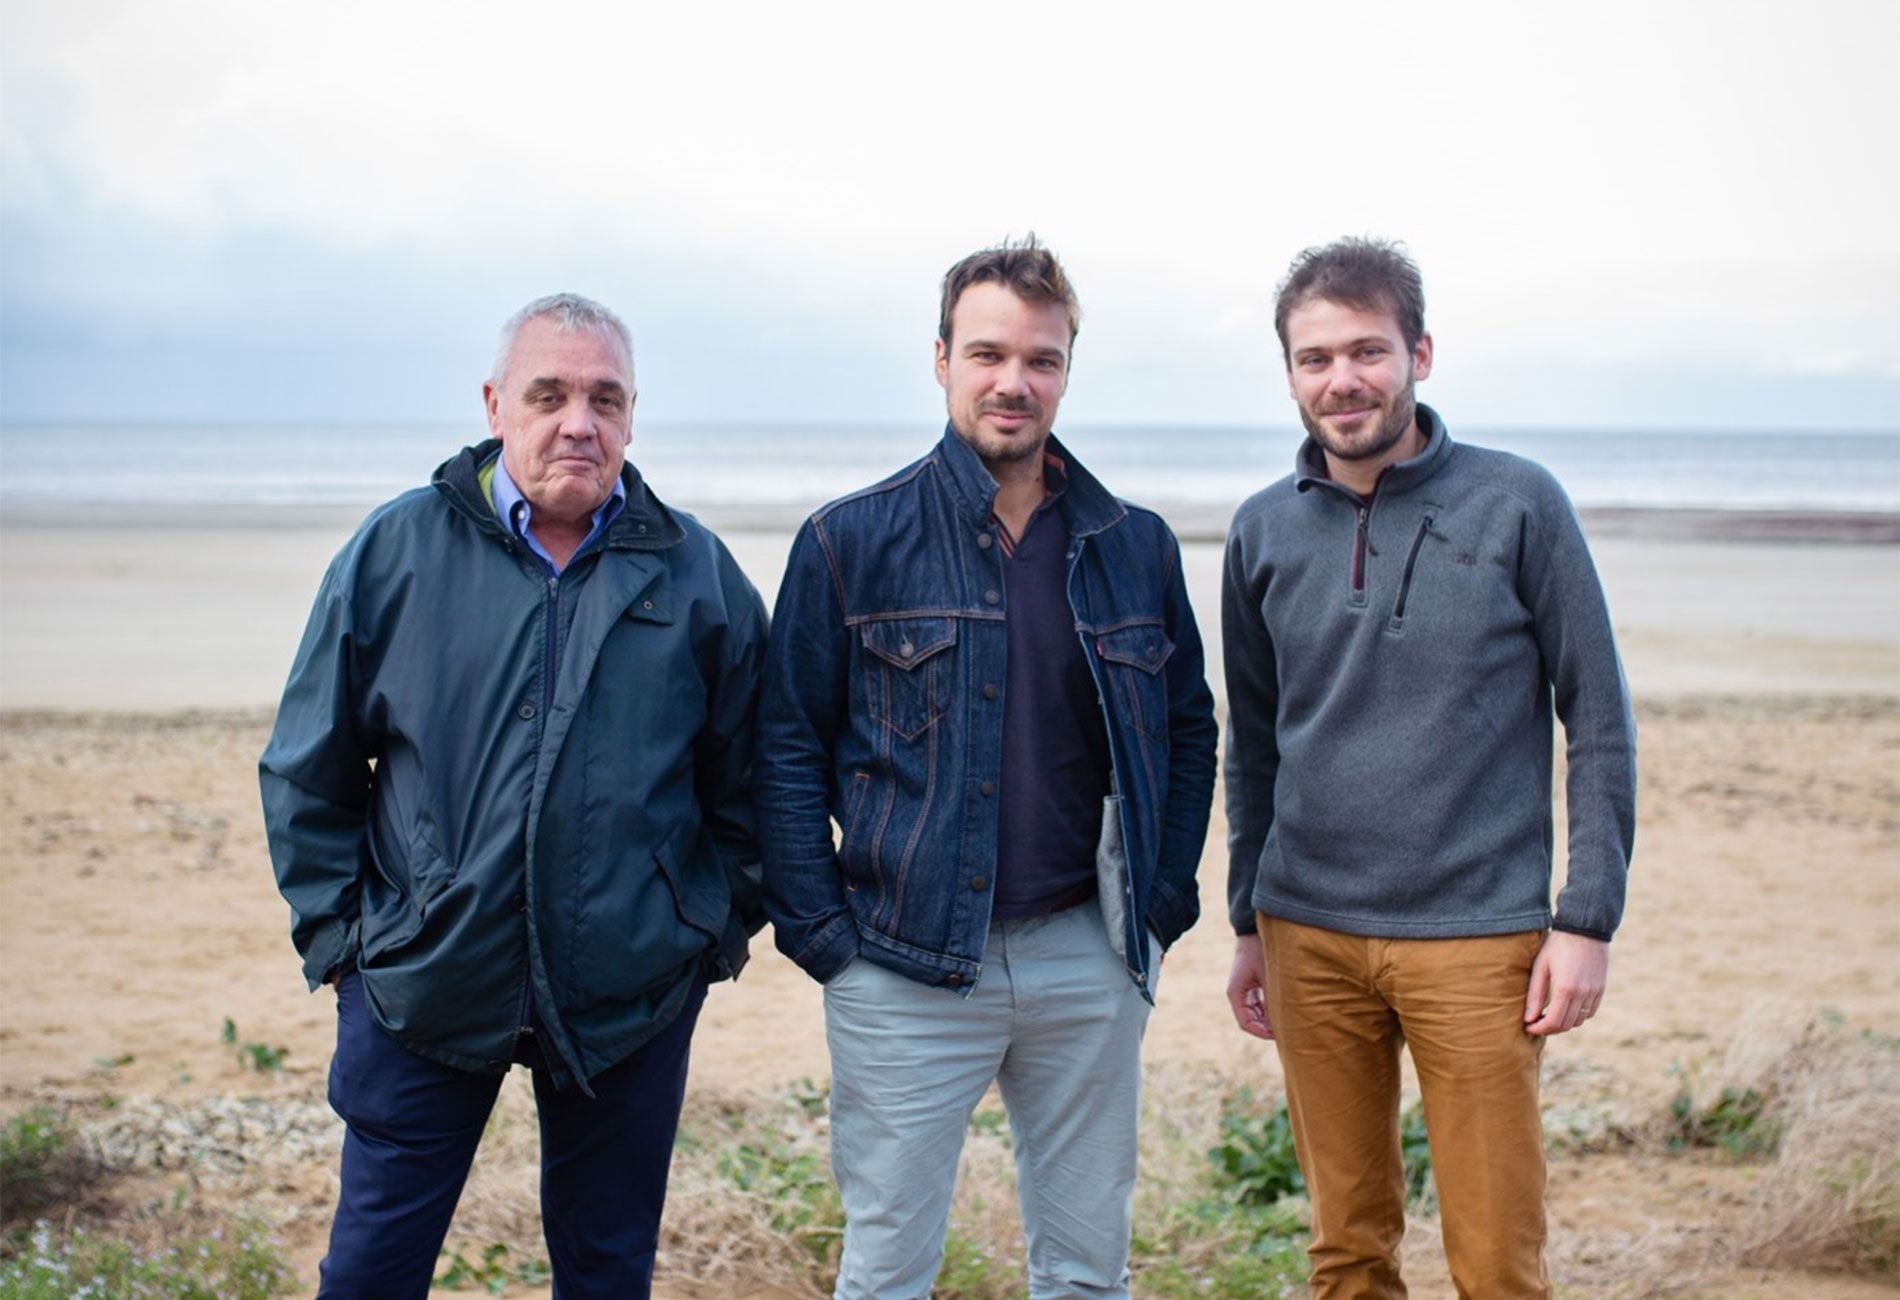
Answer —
(1625, 181)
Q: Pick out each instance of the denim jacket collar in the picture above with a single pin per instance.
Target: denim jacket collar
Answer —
(1086, 505)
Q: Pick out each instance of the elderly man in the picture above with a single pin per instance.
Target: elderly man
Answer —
(508, 802)
(985, 671)
(1402, 615)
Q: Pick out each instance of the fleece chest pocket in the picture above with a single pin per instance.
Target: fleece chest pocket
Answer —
(1132, 659)
(907, 667)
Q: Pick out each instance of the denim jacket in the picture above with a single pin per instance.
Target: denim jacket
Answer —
(882, 712)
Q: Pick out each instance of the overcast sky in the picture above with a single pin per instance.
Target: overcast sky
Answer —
(1632, 212)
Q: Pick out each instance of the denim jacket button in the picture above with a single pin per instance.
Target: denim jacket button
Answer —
(988, 788)
(953, 978)
(984, 541)
(979, 883)
(989, 690)
(992, 597)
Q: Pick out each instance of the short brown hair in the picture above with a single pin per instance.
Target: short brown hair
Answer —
(1359, 272)
(1028, 270)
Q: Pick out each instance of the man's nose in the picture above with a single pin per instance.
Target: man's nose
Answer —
(1012, 377)
(1345, 379)
(577, 419)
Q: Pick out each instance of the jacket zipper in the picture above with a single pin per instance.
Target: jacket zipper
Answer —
(549, 668)
(1411, 561)
(1359, 550)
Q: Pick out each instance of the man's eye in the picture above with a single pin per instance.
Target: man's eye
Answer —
(608, 403)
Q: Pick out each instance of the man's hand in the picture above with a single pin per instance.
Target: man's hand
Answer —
(1247, 987)
(1567, 982)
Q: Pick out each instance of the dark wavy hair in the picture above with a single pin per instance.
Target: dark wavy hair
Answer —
(1359, 272)
(1028, 270)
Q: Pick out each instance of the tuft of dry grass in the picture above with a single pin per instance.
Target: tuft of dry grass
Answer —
(1832, 1198)
(750, 1203)
(1804, 1176)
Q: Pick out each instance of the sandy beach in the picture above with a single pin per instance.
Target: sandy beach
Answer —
(141, 652)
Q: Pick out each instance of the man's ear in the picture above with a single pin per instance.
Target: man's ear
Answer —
(491, 399)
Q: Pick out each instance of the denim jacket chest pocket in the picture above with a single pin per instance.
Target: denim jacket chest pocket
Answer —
(1132, 658)
(907, 666)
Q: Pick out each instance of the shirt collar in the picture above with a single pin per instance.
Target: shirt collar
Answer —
(515, 510)
(1055, 481)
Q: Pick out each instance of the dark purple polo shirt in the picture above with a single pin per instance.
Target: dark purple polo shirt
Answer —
(1055, 744)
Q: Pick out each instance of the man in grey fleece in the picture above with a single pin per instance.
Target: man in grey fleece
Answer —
(1401, 616)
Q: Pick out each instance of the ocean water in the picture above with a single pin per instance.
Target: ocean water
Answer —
(696, 465)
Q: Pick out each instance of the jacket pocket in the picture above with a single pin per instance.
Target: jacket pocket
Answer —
(667, 908)
(908, 668)
(387, 924)
(409, 872)
(701, 893)
(1132, 659)
(1410, 572)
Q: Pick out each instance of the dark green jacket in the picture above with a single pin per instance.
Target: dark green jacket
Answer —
(496, 792)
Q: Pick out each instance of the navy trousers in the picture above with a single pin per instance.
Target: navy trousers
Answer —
(413, 1126)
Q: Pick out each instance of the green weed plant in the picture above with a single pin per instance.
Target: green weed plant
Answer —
(493, 1271)
(1736, 1122)
(242, 1264)
(261, 1057)
(41, 1164)
(1255, 1163)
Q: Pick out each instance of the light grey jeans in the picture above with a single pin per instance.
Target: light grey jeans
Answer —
(1056, 1021)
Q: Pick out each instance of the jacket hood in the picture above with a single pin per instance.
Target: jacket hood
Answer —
(1088, 505)
(644, 524)
(1309, 464)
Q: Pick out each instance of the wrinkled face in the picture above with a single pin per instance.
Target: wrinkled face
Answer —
(1353, 378)
(1004, 371)
(564, 414)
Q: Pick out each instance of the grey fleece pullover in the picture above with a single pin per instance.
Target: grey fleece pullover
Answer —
(1392, 665)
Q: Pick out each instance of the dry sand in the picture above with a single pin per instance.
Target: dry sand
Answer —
(139, 654)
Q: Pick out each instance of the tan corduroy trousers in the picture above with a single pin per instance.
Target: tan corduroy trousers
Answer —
(1341, 1007)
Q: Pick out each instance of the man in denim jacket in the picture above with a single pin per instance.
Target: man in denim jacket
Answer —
(985, 671)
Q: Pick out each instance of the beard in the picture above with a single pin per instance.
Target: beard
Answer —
(1005, 450)
(1389, 425)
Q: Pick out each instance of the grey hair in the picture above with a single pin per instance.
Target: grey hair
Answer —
(569, 312)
